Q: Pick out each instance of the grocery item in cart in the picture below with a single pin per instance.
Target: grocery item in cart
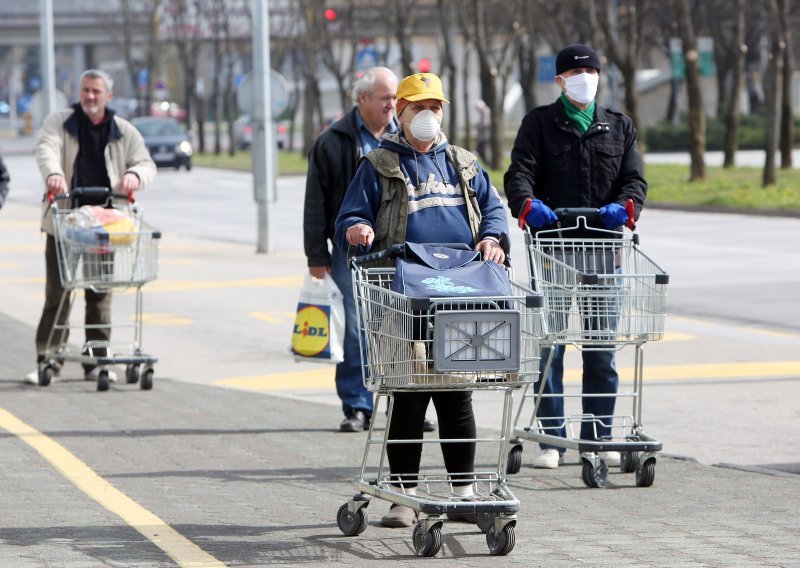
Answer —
(92, 225)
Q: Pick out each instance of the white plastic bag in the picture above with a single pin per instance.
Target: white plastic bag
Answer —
(318, 333)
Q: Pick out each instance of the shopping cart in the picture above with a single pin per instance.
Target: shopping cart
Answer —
(441, 343)
(601, 293)
(100, 260)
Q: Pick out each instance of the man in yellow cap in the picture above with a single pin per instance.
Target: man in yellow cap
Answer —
(415, 187)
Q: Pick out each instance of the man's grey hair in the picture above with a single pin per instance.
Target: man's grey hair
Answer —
(365, 83)
(98, 74)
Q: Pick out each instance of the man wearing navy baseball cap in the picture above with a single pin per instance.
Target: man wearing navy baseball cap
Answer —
(576, 153)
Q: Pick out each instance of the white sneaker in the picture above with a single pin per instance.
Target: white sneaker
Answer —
(612, 459)
(548, 459)
(32, 378)
(94, 374)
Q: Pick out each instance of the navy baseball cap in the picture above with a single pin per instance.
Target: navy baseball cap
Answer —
(576, 55)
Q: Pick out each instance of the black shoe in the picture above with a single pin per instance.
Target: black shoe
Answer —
(429, 425)
(354, 421)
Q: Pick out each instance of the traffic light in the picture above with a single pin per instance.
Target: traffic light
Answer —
(424, 65)
(330, 14)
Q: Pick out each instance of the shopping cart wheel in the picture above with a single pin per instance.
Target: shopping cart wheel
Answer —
(646, 473)
(627, 461)
(146, 380)
(132, 374)
(45, 375)
(514, 460)
(485, 521)
(500, 542)
(102, 380)
(594, 476)
(349, 523)
(427, 543)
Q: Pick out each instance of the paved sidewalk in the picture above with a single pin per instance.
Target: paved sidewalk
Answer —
(243, 479)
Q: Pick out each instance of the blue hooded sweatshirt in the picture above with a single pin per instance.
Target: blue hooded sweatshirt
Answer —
(437, 211)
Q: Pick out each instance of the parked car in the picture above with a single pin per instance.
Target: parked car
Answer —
(243, 133)
(125, 107)
(168, 108)
(166, 140)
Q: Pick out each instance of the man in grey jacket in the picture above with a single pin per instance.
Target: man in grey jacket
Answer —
(331, 165)
(85, 145)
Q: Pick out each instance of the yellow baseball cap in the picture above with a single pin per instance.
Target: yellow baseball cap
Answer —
(421, 86)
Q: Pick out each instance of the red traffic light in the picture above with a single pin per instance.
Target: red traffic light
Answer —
(424, 65)
(330, 14)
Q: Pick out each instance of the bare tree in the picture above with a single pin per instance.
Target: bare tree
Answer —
(526, 53)
(623, 35)
(697, 117)
(771, 89)
(186, 24)
(308, 68)
(217, 15)
(493, 33)
(338, 41)
(448, 73)
(739, 48)
(401, 22)
(787, 106)
(136, 26)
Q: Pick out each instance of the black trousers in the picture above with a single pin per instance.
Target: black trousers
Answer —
(98, 310)
(456, 420)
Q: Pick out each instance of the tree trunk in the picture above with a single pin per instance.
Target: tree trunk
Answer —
(771, 89)
(787, 105)
(466, 142)
(528, 64)
(697, 117)
(731, 144)
(446, 18)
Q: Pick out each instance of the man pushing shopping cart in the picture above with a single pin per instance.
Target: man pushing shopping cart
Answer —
(577, 153)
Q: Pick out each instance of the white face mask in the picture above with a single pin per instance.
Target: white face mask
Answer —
(425, 126)
(582, 87)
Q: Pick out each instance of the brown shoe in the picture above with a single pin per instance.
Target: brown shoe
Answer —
(399, 516)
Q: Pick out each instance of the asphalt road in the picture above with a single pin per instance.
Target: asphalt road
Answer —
(235, 449)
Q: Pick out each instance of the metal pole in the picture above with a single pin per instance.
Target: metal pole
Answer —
(263, 135)
(47, 57)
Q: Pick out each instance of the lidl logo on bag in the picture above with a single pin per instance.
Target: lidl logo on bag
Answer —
(311, 336)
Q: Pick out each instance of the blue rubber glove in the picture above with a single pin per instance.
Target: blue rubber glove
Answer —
(613, 215)
(540, 215)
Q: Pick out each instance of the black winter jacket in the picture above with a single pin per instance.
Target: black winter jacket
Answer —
(551, 161)
(331, 166)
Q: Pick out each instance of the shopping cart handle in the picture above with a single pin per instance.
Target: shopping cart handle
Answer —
(393, 251)
(591, 214)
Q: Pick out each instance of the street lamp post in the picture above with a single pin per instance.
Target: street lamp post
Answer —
(263, 157)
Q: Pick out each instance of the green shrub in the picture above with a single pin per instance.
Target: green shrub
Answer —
(668, 137)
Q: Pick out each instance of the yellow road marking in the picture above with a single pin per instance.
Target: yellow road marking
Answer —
(183, 551)
(677, 336)
(274, 317)
(181, 285)
(163, 319)
(749, 369)
(22, 248)
(323, 378)
(10, 264)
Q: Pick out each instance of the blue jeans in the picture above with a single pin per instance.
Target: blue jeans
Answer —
(599, 377)
(349, 384)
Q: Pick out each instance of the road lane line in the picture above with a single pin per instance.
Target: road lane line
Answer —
(323, 378)
(175, 545)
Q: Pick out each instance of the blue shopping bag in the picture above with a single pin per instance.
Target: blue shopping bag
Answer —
(436, 271)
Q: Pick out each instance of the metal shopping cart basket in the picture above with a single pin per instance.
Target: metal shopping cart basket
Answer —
(121, 255)
(441, 343)
(602, 293)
